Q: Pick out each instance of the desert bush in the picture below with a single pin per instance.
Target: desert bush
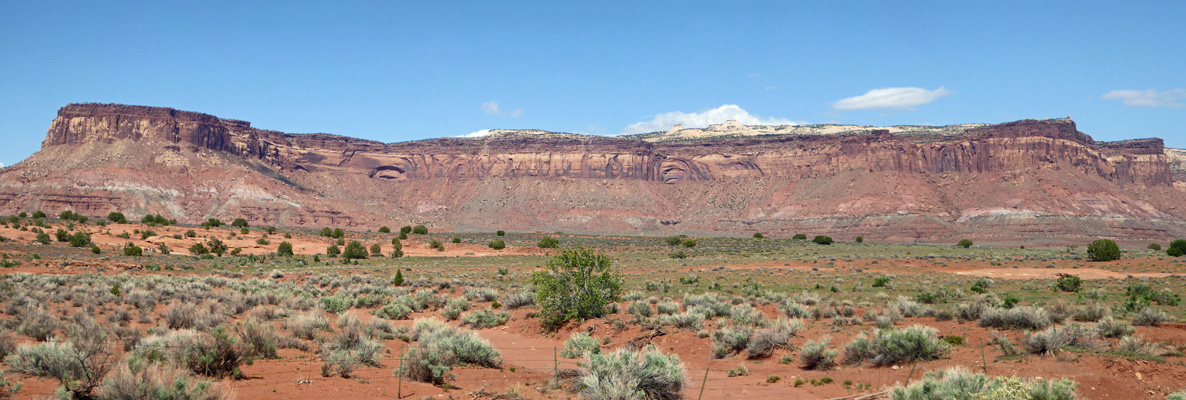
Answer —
(38, 324)
(1050, 340)
(349, 348)
(1091, 312)
(306, 325)
(258, 337)
(454, 307)
(777, 335)
(131, 250)
(284, 249)
(1024, 317)
(420, 230)
(1177, 396)
(400, 308)
(958, 383)
(481, 294)
(909, 308)
(181, 315)
(1135, 345)
(687, 320)
(578, 284)
(1150, 316)
(965, 243)
(519, 299)
(731, 339)
(815, 355)
(80, 369)
(625, 374)
(970, 311)
(821, 239)
(485, 318)
(497, 244)
(1103, 250)
(579, 344)
(897, 346)
(1110, 328)
(667, 307)
(159, 382)
(214, 354)
(440, 347)
(795, 310)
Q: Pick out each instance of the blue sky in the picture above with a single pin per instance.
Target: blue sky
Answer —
(395, 71)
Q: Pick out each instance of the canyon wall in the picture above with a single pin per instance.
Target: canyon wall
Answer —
(191, 166)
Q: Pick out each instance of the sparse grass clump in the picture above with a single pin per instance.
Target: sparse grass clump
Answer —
(625, 374)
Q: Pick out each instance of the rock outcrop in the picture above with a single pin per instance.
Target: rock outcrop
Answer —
(902, 183)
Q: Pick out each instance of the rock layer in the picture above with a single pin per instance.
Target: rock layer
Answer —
(912, 184)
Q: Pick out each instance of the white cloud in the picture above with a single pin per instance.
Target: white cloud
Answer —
(905, 98)
(1149, 98)
(492, 108)
(703, 119)
(476, 134)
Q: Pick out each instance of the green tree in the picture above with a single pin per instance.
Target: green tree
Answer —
(758, 235)
(384, 229)
(799, 236)
(117, 218)
(500, 233)
(239, 223)
(965, 243)
(355, 251)
(38, 214)
(859, 239)
(548, 242)
(132, 250)
(376, 249)
(577, 284)
(821, 239)
(198, 249)
(405, 230)
(42, 237)
(80, 239)
(1177, 248)
(216, 246)
(339, 233)
(333, 250)
(420, 230)
(284, 249)
(397, 248)
(327, 232)
(498, 244)
(1103, 250)
(62, 235)
(398, 280)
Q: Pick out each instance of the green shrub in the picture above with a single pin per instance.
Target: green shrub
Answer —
(1103, 250)
(436, 244)
(306, 325)
(333, 250)
(355, 251)
(384, 229)
(376, 250)
(216, 246)
(958, 383)
(1177, 248)
(43, 238)
(131, 250)
(214, 354)
(859, 239)
(548, 242)
(799, 236)
(1068, 283)
(397, 248)
(500, 233)
(882, 281)
(497, 244)
(821, 239)
(625, 374)
(258, 337)
(79, 368)
(758, 235)
(578, 284)
(674, 240)
(731, 339)
(1111, 328)
(117, 218)
(79, 239)
(198, 249)
(284, 249)
(965, 243)
(420, 230)
(689, 243)
(239, 223)
(1154, 247)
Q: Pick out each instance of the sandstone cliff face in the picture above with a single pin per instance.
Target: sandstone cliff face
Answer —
(99, 157)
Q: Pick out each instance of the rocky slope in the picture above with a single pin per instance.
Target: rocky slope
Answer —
(1029, 179)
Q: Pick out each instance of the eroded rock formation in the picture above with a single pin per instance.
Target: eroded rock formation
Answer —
(1038, 176)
